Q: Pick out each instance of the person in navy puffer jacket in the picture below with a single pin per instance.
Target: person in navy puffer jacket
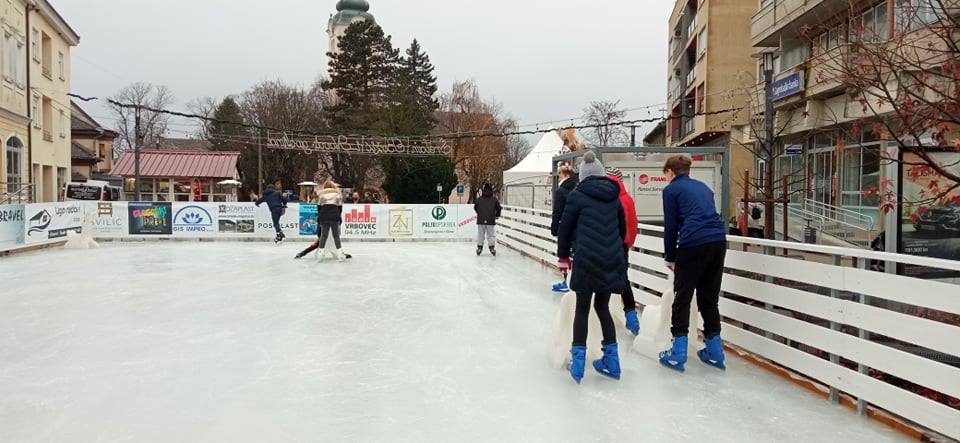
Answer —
(277, 204)
(694, 245)
(594, 216)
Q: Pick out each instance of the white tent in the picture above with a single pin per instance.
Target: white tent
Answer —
(529, 183)
(536, 167)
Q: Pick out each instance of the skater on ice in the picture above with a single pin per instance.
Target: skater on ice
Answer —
(630, 216)
(488, 210)
(277, 204)
(567, 183)
(329, 216)
(593, 217)
(695, 245)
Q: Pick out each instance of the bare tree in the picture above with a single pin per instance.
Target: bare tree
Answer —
(134, 98)
(203, 106)
(903, 87)
(517, 148)
(464, 114)
(603, 115)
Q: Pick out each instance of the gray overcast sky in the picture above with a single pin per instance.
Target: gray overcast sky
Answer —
(542, 59)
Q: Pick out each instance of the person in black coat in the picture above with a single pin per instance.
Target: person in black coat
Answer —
(488, 210)
(277, 204)
(567, 183)
(594, 218)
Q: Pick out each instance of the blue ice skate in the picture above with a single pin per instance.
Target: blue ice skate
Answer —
(713, 353)
(561, 287)
(578, 355)
(609, 364)
(633, 324)
(676, 357)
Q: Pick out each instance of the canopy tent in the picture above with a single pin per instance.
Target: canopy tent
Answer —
(536, 167)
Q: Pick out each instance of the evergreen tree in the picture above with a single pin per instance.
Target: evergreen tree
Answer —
(410, 179)
(226, 136)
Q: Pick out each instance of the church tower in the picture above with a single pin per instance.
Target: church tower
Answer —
(348, 11)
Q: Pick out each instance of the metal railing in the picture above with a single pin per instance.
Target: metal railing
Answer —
(854, 234)
(17, 193)
(842, 215)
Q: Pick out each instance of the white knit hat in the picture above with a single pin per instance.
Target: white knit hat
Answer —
(591, 166)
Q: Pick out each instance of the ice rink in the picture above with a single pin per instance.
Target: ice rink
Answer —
(416, 342)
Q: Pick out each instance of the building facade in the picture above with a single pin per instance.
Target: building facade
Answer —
(709, 72)
(826, 137)
(49, 39)
(14, 121)
(91, 147)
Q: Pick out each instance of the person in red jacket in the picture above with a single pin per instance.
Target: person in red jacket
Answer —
(630, 214)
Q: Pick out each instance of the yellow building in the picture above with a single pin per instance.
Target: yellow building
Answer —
(709, 71)
(49, 39)
(14, 122)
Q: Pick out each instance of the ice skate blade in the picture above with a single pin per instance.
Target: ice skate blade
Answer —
(706, 360)
(672, 365)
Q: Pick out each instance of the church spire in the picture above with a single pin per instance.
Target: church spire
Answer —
(353, 5)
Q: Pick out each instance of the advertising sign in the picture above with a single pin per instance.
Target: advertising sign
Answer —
(109, 218)
(400, 222)
(52, 221)
(648, 182)
(362, 221)
(193, 219)
(308, 219)
(236, 218)
(150, 218)
(436, 221)
(12, 219)
(289, 221)
(930, 222)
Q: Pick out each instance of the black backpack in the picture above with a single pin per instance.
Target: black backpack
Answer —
(755, 213)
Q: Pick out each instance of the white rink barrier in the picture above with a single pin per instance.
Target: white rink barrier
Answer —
(889, 342)
(48, 223)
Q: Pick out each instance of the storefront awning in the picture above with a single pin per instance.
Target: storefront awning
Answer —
(218, 164)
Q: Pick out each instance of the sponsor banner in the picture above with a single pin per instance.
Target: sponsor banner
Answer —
(364, 221)
(236, 218)
(289, 221)
(12, 221)
(194, 219)
(930, 222)
(48, 222)
(150, 218)
(308, 219)
(400, 221)
(466, 221)
(436, 221)
(648, 184)
(109, 219)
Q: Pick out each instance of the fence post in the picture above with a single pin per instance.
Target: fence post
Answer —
(834, 358)
(862, 263)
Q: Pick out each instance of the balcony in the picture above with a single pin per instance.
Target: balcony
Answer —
(46, 72)
(789, 17)
(826, 71)
(692, 75)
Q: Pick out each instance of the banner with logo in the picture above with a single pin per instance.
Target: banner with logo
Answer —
(436, 221)
(150, 218)
(466, 221)
(109, 219)
(289, 221)
(12, 219)
(647, 184)
(930, 218)
(194, 219)
(308, 219)
(48, 222)
(236, 218)
(363, 221)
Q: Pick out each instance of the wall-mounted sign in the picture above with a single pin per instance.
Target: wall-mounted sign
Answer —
(787, 86)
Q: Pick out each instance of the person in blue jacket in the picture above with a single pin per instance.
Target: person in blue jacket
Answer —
(277, 204)
(694, 245)
(593, 216)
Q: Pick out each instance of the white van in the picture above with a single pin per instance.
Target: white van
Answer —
(90, 190)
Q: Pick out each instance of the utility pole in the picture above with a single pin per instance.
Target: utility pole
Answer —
(768, 144)
(138, 140)
(260, 162)
(633, 136)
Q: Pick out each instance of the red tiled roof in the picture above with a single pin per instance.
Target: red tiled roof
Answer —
(215, 164)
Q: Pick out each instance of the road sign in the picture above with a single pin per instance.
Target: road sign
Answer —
(459, 189)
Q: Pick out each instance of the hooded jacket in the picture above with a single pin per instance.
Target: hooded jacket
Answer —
(629, 212)
(594, 218)
(487, 208)
(274, 200)
(560, 200)
(329, 205)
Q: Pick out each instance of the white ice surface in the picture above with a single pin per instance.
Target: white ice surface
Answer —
(238, 342)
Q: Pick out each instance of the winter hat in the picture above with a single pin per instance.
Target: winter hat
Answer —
(614, 171)
(590, 166)
(487, 187)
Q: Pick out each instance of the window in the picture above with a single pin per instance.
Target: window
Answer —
(792, 167)
(61, 69)
(35, 45)
(36, 114)
(63, 124)
(61, 177)
(915, 14)
(9, 58)
(47, 48)
(870, 26)
(14, 158)
(793, 54)
(48, 119)
(702, 43)
(21, 68)
(861, 171)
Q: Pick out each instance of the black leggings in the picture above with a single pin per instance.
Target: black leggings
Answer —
(698, 268)
(325, 229)
(601, 303)
(629, 303)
